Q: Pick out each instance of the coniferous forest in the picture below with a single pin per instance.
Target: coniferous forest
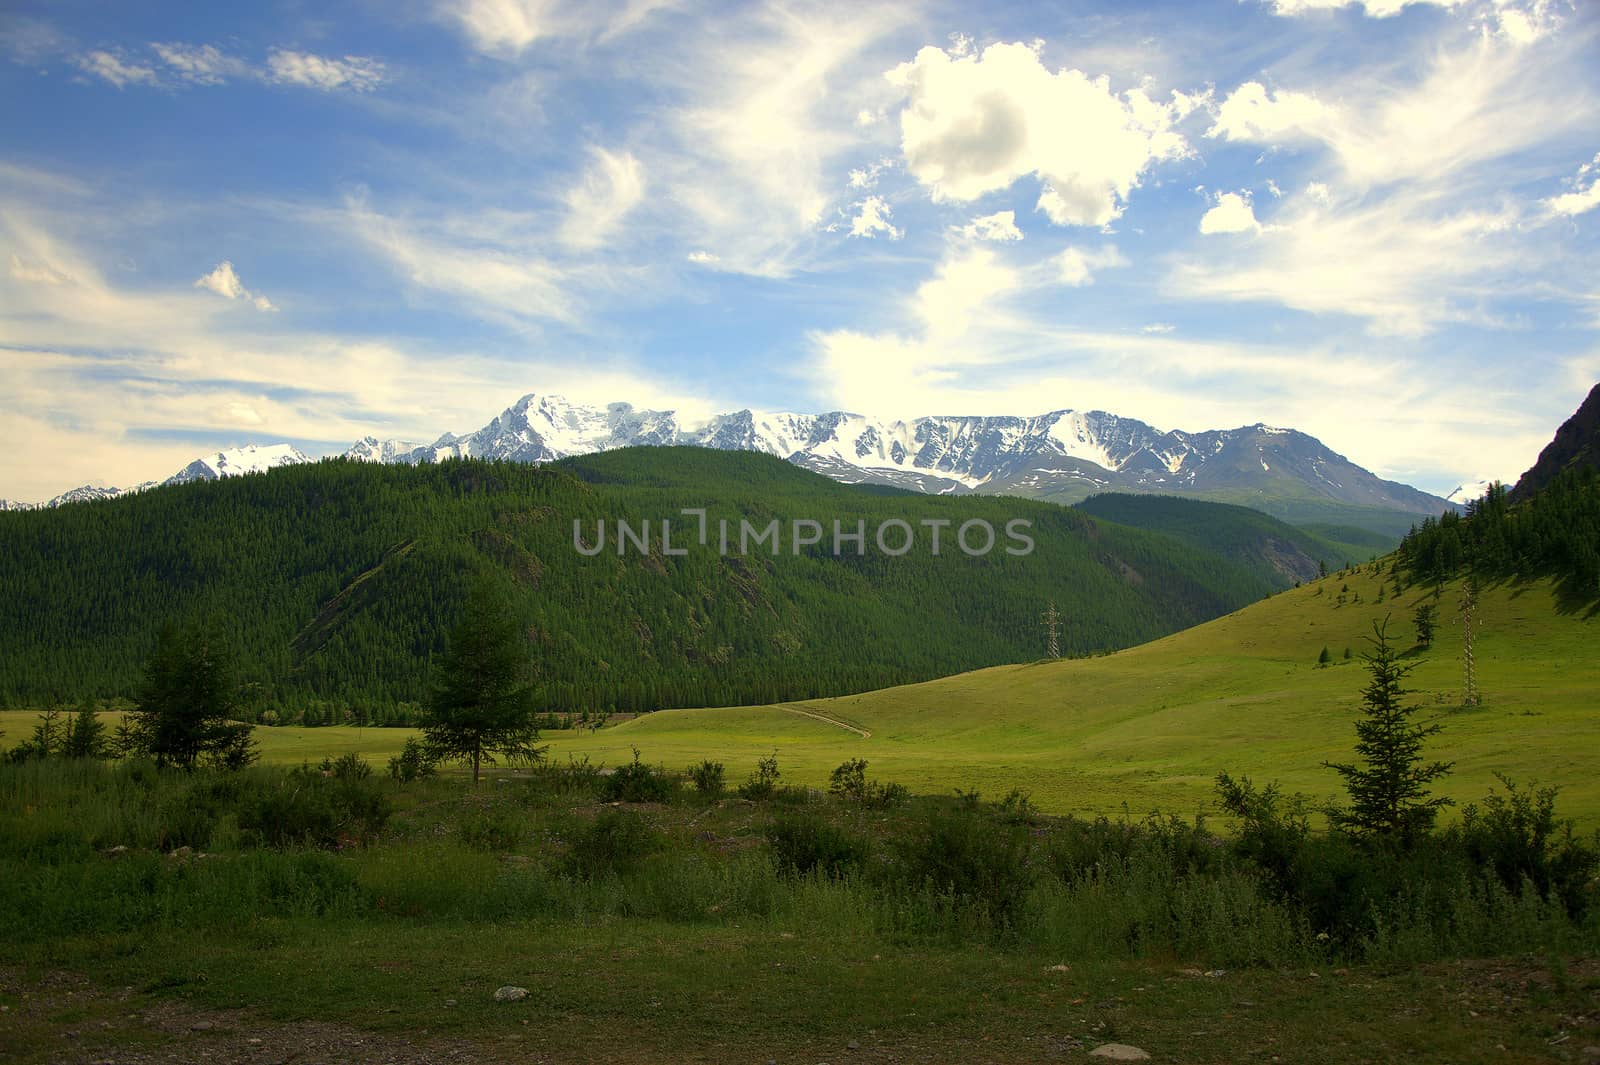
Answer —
(1553, 533)
(333, 585)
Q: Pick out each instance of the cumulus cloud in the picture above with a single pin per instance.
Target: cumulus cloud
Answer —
(1077, 267)
(354, 72)
(701, 257)
(1585, 194)
(1231, 213)
(612, 186)
(114, 69)
(872, 217)
(1252, 113)
(224, 281)
(976, 123)
(1000, 226)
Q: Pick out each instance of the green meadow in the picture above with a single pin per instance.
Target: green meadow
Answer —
(1150, 727)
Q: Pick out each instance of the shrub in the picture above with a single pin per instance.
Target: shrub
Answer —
(803, 844)
(1517, 837)
(303, 807)
(578, 777)
(613, 845)
(850, 781)
(763, 783)
(637, 782)
(971, 860)
(412, 763)
(707, 778)
(348, 766)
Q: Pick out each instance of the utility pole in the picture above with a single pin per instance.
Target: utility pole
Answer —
(1052, 629)
(1469, 605)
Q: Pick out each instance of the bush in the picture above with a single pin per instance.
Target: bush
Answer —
(850, 781)
(1517, 838)
(412, 763)
(613, 845)
(971, 860)
(579, 777)
(348, 766)
(707, 778)
(304, 807)
(804, 844)
(763, 783)
(637, 782)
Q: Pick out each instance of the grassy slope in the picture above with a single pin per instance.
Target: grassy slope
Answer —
(1153, 725)
(1150, 726)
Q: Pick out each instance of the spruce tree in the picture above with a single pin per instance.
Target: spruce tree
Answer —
(481, 706)
(86, 736)
(185, 714)
(1388, 784)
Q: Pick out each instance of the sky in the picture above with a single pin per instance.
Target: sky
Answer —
(1377, 222)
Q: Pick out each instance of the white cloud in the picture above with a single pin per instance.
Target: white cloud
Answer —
(225, 283)
(353, 72)
(507, 28)
(1583, 197)
(1473, 105)
(975, 124)
(1076, 267)
(1373, 8)
(1232, 213)
(115, 70)
(967, 283)
(1252, 113)
(752, 156)
(1396, 262)
(1159, 328)
(872, 217)
(494, 270)
(36, 272)
(701, 257)
(1000, 226)
(612, 186)
(201, 64)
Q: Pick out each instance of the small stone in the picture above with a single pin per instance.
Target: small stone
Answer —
(253, 1041)
(1119, 1052)
(1214, 973)
(511, 994)
(201, 1026)
(449, 1003)
(852, 1045)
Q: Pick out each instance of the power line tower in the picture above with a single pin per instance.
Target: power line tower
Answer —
(1469, 607)
(1052, 630)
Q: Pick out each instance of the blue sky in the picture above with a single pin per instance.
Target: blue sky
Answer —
(1378, 222)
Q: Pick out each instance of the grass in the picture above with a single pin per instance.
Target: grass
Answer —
(706, 949)
(1150, 727)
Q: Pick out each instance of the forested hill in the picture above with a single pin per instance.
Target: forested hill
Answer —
(1282, 553)
(336, 581)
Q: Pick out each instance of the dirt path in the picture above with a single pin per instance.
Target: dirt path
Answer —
(865, 734)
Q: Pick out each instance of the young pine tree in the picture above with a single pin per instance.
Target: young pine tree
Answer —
(86, 736)
(1426, 619)
(481, 705)
(1388, 784)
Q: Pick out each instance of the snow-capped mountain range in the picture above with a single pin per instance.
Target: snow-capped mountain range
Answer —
(1063, 455)
(250, 458)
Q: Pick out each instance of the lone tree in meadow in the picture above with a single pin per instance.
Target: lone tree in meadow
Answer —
(1388, 785)
(188, 702)
(481, 706)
